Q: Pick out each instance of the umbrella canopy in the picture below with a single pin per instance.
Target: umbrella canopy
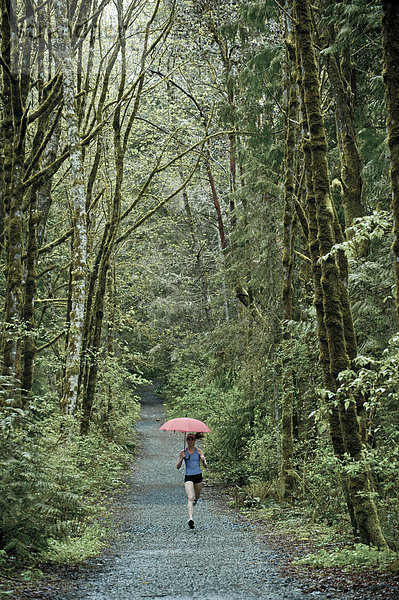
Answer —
(185, 424)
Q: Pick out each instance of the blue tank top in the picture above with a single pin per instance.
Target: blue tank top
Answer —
(193, 463)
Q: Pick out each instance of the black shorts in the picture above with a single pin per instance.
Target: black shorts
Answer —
(194, 478)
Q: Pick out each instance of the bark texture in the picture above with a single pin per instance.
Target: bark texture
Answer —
(390, 37)
(287, 408)
(78, 201)
(340, 74)
(328, 298)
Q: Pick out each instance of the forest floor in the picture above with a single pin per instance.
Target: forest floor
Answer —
(366, 583)
(231, 555)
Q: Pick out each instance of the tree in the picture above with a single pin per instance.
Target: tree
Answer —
(360, 486)
(289, 221)
(78, 201)
(390, 21)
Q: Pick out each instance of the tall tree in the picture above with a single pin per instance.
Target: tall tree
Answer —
(360, 486)
(390, 28)
(16, 83)
(290, 127)
(78, 201)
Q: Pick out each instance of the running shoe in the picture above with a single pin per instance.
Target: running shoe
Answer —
(191, 524)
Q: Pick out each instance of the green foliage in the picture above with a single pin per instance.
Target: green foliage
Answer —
(361, 556)
(117, 408)
(318, 478)
(77, 549)
(377, 379)
(37, 500)
(51, 481)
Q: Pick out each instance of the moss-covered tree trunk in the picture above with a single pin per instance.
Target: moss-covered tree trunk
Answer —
(78, 197)
(29, 299)
(12, 301)
(16, 85)
(360, 489)
(390, 33)
(340, 74)
(110, 341)
(351, 164)
(287, 408)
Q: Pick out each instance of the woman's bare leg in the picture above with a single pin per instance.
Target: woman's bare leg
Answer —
(189, 487)
(197, 488)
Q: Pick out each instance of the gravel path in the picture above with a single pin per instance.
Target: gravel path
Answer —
(160, 557)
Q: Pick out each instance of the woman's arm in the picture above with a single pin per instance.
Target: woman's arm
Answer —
(202, 457)
(181, 458)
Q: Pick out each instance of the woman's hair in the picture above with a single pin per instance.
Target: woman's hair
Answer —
(199, 436)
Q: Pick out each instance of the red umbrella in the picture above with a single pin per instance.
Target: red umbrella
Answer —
(185, 424)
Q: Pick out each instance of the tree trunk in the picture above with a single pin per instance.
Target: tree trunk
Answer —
(222, 236)
(221, 231)
(359, 483)
(390, 39)
(79, 259)
(16, 82)
(29, 299)
(287, 408)
(339, 71)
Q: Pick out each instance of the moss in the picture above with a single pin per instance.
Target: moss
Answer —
(351, 164)
(322, 217)
(390, 29)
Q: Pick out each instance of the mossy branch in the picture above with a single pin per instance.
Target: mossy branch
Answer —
(56, 242)
(51, 342)
(44, 143)
(50, 102)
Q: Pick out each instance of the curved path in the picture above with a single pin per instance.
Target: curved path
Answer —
(160, 557)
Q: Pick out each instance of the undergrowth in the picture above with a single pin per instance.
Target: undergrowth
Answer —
(359, 556)
(56, 485)
(317, 542)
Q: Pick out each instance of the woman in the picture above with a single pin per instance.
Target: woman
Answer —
(193, 479)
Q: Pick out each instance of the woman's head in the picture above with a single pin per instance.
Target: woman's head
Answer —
(190, 438)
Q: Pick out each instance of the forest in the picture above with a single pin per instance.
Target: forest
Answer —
(202, 194)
